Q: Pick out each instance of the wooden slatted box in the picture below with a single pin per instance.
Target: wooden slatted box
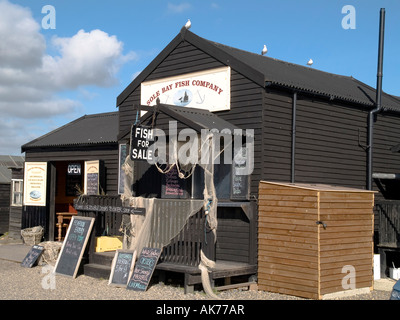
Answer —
(300, 257)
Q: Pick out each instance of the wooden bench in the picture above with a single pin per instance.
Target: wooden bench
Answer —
(222, 269)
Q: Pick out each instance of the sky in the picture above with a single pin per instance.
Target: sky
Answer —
(60, 60)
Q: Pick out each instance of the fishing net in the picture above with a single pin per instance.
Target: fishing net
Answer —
(161, 224)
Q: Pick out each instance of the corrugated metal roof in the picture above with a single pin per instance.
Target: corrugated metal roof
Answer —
(89, 129)
(308, 79)
(12, 161)
(269, 71)
(6, 162)
(194, 118)
(203, 118)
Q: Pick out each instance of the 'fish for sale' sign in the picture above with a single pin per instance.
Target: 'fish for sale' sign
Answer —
(141, 138)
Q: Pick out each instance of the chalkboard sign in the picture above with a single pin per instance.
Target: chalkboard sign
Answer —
(105, 208)
(73, 246)
(240, 183)
(94, 177)
(92, 183)
(144, 269)
(122, 267)
(32, 256)
(173, 187)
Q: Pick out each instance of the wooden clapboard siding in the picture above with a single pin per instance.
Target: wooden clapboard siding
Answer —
(233, 235)
(299, 257)
(15, 218)
(327, 144)
(127, 115)
(389, 223)
(386, 135)
(331, 140)
(194, 60)
(108, 154)
(246, 113)
(276, 126)
(15, 222)
(4, 206)
(246, 97)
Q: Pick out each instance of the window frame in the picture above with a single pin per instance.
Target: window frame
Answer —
(14, 192)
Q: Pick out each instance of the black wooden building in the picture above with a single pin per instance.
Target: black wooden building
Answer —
(89, 138)
(10, 185)
(309, 127)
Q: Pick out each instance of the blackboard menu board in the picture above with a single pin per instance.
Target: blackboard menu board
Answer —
(92, 186)
(144, 269)
(73, 246)
(94, 177)
(173, 187)
(122, 267)
(240, 182)
(32, 256)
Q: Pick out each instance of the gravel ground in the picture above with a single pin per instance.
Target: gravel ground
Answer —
(37, 283)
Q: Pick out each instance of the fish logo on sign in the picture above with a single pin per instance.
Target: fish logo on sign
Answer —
(183, 97)
(35, 194)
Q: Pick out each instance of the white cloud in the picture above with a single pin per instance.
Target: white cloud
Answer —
(31, 80)
(87, 58)
(21, 45)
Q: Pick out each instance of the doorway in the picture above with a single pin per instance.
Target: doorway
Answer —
(68, 186)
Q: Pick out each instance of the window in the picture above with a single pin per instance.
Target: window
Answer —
(16, 192)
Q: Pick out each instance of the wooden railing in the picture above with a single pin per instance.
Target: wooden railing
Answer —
(183, 249)
(388, 216)
(107, 219)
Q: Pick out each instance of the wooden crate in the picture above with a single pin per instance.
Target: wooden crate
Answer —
(299, 257)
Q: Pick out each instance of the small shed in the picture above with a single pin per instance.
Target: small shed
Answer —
(314, 240)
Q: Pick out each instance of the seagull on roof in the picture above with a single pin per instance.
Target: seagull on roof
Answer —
(188, 24)
(310, 62)
(264, 50)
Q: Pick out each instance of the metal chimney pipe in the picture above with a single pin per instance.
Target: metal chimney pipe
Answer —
(378, 98)
(380, 59)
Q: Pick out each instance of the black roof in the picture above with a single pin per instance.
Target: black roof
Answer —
(269, 71)
(197, 119)
(99, 128)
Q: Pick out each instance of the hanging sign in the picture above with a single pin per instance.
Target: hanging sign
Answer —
(35, 178)
(141, 138)
(74, 169)
(209, 90)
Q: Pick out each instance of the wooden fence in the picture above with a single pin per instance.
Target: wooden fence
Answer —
(388, 216)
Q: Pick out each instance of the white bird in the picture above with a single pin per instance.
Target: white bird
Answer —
(310, 62)
(264, 50)
(188, 24)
